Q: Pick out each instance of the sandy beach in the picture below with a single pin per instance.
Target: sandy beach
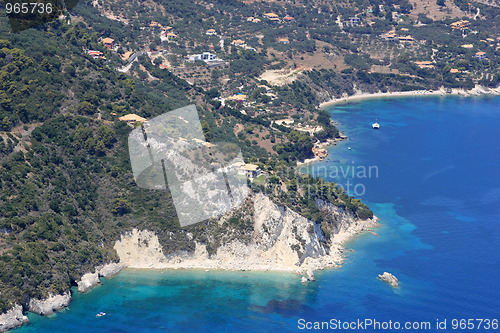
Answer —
(359, 95)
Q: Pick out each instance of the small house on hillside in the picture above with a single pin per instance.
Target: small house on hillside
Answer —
(271, 16)
(284, 40)
(250, 170)
(238, 42)
(424, 64)
(406, 39)
(239, 98)
(211, 32)
(205, 56)
(96, 54)
(108, 42)
(132, 118)
(480, 55)
(170, 35)
(460, 25)
(389, 36)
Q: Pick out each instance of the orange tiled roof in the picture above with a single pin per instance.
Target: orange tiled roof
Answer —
(133, 117)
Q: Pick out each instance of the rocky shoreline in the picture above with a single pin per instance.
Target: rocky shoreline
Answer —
(15, 316)
(282, 240)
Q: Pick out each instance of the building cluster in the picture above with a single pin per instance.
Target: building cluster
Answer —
(242, 43)
(352, 21)
(392, 36)
(275, 17)
(271, 17)
(108, 42)
(96, 54)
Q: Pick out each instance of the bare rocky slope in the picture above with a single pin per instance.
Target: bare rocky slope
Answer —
(281, 240)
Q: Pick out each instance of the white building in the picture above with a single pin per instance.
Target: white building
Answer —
(211, 32)
(206, 57)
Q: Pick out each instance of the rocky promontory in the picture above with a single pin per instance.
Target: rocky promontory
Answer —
(50, 304)
(90, 280)
(12, 318)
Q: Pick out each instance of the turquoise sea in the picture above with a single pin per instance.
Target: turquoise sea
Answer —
(437, 193)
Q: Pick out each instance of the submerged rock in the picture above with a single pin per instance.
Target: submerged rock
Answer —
(285, 308)
(389, 278)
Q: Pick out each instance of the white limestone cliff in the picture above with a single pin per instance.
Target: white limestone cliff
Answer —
(50, 304)
(90, 280)
(281, 240)
(12, 318)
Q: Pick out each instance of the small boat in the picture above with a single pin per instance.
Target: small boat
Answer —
(100, 314)
(375, 125)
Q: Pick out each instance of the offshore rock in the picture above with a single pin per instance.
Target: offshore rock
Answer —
(303, 280)
(389, 278)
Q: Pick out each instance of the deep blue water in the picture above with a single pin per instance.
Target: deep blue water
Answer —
(437, 193)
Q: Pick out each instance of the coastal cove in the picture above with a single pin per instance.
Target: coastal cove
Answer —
(436, 194)
(439, 176)
(282, 241)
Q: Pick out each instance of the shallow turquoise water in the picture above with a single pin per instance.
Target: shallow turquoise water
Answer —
(437, 194)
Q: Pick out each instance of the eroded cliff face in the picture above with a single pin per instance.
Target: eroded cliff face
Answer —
(281, 240)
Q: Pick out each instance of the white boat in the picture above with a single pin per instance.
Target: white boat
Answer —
(100, 314)
(375, 125)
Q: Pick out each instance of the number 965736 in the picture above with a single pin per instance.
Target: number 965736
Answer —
(28, 7)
